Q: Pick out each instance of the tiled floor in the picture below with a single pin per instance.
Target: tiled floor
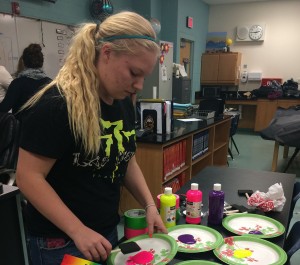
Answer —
(256, 153)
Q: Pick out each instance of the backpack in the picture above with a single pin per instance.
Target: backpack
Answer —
(9, 144)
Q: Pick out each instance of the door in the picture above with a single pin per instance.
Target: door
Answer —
(186, 55)
(209, 68)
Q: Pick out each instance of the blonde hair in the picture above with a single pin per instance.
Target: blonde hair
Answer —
(78, 79)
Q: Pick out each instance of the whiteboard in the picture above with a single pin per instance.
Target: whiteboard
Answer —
(16, 33)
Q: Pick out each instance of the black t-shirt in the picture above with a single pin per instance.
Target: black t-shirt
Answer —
(89, 186)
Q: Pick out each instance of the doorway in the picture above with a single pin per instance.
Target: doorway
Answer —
(186, 47)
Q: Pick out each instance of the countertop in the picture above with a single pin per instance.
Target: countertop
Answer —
(181, 128)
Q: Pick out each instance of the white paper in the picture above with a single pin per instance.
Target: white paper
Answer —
(190, 119)
(182, 71)
(154, 92)
(164, 73)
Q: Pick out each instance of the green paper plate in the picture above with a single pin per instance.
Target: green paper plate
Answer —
(163, 247)
(206, 238)
(197, 262)
(246, 250)
(242, 224)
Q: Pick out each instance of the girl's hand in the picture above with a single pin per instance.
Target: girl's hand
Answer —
(155, 223)
(91, 244)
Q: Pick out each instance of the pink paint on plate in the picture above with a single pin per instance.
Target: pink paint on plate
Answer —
(141, 258)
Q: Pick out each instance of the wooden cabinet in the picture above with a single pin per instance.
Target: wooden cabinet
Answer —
(150, 157)
(265, 111)
(220, 68)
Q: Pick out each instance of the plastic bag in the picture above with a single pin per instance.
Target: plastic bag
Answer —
(273, 200)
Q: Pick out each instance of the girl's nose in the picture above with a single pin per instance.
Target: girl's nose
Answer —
(139, 83)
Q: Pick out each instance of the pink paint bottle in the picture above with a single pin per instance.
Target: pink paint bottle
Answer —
(193, 205)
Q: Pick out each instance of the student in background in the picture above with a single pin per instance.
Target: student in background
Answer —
(5, 80)
(20, 67)
(28, 81)
(78, 143)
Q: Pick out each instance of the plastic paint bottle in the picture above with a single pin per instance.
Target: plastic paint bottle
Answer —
(168, 207)
(216, 199)
(193, 205)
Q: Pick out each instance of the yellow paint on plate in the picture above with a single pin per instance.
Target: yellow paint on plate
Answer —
(242, 253)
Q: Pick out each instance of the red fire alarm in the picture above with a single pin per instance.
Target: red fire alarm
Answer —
(15, 7)
(189, 22)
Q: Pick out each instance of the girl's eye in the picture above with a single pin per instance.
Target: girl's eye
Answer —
(133, 73)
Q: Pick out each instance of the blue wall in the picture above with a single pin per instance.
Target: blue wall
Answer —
(171, 13)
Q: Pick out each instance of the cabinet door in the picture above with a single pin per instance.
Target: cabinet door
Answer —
(229, 64)
(209, 68)
(265, 112)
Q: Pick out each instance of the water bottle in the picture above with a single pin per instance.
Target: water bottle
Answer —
(193, 205)
(216, 199)
(168, 207)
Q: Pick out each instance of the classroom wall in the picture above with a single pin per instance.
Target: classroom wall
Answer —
(171, 13)
(278, 55)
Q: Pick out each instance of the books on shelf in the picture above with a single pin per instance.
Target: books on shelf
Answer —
(200, 144)
(175, 183)
(157, 114)
(174, 158)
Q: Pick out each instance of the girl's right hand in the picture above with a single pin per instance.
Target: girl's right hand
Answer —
(91, 244)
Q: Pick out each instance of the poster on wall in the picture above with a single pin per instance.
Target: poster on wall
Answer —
(215, 41)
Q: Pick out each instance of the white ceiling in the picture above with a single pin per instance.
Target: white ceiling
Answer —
(222, 2)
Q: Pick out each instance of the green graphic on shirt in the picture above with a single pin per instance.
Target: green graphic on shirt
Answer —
(118, 126)
(113, 138)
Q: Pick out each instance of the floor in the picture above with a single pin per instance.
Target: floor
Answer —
(256, 153)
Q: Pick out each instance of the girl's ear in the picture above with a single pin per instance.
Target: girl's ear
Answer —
(105, 52)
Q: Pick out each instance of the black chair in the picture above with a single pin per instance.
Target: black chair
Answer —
(292, 242)
(235, 117)
(9, 147)
(214, 104)
(295, 198)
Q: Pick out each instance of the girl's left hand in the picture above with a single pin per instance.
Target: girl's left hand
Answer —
(155, 223)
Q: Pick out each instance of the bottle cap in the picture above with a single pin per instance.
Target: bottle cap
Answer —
(217, 186)
(194, 186)
(168, 190)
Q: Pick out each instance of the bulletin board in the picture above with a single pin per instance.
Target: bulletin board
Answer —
(16, 33)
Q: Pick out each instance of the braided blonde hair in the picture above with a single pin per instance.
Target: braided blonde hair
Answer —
(78, 79)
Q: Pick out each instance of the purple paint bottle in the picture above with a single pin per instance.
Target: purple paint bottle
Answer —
(216, 205)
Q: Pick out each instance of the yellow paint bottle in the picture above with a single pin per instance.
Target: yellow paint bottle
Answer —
(168, 207)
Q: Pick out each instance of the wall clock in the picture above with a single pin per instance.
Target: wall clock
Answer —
(256, 32)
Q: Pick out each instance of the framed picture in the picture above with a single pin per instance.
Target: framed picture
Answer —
(216, 41)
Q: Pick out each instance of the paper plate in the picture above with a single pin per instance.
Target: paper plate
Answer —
(197, 262)
(250, 250)
(162, 246)
(253, 225)
(204, 238)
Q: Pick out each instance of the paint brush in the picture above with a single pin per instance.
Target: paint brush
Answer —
(127, 247)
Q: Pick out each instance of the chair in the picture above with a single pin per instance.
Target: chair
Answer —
(214, 104)
(295, 197)
(234, 125)
(9, 146)
(284, 129)
(292, 242)
(235, 117)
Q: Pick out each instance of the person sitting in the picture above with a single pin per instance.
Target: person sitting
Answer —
(5, 80)
(28, 81)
